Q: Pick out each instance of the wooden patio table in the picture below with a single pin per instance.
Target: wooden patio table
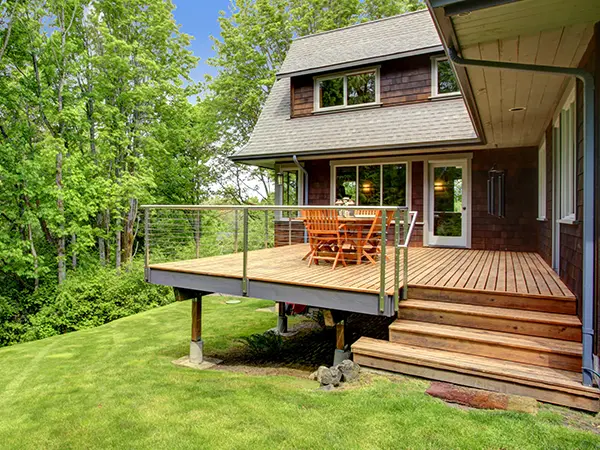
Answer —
(357, 225)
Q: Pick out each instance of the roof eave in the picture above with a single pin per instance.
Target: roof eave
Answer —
(248, 159)
(445, 30)
(361, 62)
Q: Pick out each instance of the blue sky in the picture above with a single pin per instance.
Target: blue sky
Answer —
(199, 19)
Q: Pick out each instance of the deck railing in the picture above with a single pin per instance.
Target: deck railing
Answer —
(192, 232)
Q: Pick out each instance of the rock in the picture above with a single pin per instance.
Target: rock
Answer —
(349, 369)
(313, 376)
(325, 376)
(522, 404)
(475, 398)
(327, 387)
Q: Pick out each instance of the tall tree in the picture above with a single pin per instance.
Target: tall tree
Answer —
(255, 37)
(378, 9)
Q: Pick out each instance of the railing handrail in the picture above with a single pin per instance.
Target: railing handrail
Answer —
(272, 207)
(413, 221)
(402, 216)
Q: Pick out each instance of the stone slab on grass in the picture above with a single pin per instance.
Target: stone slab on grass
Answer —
(206, 364)
(478, 398)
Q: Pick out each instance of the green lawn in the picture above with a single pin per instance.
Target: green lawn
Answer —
(115, 386)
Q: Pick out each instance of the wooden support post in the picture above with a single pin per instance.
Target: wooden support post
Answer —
(340, 336)
(196, 343)
(341, 349)
(281, 318)
(197, 319)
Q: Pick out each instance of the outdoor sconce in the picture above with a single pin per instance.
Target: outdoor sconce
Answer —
(439, 185)
(279, 178)
(496, 192)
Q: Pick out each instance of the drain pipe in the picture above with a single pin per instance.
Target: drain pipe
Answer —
(588, 189)
(305, 184)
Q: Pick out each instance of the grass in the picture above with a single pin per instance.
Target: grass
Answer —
(114, 386)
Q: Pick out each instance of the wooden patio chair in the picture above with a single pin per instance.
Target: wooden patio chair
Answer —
(324, 233)
(371, 244)
(365, 213)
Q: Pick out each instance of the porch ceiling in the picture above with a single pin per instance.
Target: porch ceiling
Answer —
(542, 32)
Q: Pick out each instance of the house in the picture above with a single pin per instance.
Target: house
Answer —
(481, 118)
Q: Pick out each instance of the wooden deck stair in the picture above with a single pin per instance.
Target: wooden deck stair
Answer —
(495, 342)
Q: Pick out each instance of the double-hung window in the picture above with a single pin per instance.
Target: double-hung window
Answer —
(443, 80)
(372, 184)
(360, 88)
(564, 138)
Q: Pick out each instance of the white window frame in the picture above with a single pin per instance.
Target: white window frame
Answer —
(381, 163)
(345, 75)
(281, 168)
(566, 130)
(542, 186)
(434, 78)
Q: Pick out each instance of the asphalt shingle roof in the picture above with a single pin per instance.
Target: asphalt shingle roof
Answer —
(275, 134)
(392, 36)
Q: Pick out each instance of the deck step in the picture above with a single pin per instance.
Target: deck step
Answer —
(538, 351)
(531, 302)
(531, 323)
(550, 385)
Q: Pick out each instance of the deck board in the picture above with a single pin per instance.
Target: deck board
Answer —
(492, 271)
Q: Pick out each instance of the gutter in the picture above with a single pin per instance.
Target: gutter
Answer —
(588, 190)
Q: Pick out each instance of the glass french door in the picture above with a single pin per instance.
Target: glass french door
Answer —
(447, 220)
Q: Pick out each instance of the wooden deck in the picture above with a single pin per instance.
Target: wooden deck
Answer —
(474, 270)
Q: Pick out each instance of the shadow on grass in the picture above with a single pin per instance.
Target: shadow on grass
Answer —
(311, 345)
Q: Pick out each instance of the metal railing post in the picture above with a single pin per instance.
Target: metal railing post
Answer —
(266, 228)
(289, 229)
(197, 234)
(146, 240)
(236, 232)
(405, 255)
(245, 259)
(382, 293)
(397, 218)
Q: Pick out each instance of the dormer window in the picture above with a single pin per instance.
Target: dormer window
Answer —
(443, 80)
(347, 90)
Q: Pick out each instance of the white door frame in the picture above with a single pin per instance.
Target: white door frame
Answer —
(428, 238)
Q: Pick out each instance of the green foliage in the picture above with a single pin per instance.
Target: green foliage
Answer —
(378, 9)
(263, 346)
(87, 299)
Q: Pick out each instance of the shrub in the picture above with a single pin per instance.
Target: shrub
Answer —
(87, 298)
(263, 346)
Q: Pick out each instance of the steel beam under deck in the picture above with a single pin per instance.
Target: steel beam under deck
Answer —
(351, 301)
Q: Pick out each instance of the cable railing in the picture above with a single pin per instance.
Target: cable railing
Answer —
(374, 237)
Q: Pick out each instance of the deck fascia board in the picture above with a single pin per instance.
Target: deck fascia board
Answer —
(359, 302)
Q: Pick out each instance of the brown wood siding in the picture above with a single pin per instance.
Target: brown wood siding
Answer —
(517, 231)
(302, 96)
(319, 190)
(416, 177)
(402, 81)
(406, 80)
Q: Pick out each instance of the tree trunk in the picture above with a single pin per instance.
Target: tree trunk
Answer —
(74, 253)
(118, 249)
(60, 243)
(101, 240)
(36, 278)
(128, 236)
